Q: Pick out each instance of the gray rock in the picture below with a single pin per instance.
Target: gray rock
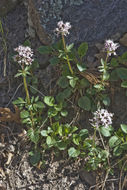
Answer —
(123, 40)
(92, 21)
(6, 6)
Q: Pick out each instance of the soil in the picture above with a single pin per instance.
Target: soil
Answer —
(16, 172)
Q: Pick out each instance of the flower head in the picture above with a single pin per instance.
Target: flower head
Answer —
(62, 28)
(24, 55)
(101, 118)
(110, 47)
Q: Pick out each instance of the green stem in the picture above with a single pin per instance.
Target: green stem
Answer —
(68, 62)
(26, 90)
(28, 98)
(94, 136)
(103, 146)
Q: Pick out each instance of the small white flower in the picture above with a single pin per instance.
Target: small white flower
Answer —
(110, 47)
(101, 118)
(63, 28)
(24, 55)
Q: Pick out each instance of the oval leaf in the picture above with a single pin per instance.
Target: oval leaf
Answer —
(85, 103)
(124, 128)
(72, 152)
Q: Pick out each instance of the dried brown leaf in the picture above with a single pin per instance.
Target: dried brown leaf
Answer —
(7, 115)
(2, 172)
(10, 155)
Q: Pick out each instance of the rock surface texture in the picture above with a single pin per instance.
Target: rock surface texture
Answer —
(6, 6)
(91, 20)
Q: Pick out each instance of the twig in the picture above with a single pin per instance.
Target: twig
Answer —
(36, 90)
(120, 185)
(103, 182)
(14, 95)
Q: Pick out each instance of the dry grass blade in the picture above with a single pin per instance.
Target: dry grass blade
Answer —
(92, 78)
(7, 115)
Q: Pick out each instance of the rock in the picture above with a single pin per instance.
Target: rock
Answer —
(99, 46)
(6, 6)
(116, 36)
(88, 177)
(34, 22)
(123, 40)
(92, 21)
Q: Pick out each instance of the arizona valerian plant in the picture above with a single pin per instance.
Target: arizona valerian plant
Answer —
(78, 88)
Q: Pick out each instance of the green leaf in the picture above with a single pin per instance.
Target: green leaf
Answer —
(122, 73)
(35, 157)
(106, 100)
(76, 139)
(72, 152)
(99, 86)
(84, 83)
(83, 133)
(52, 112)
(54, 60)
(19, 101)
(114, 76)
(24, 114)
(124, 146)
(117, 151)
(85, 103)
(102, 62)
(60, 130)
(73, 129)
(49, 100)
(49, 140)
(44, 133)
(124, 56)
(124, 128)
(64, 113)
(106, 75)
(62, 95)
(105, 132)
(61, 145)
(81, 67)
(40, 105)
(33, 135)
(114, 62)
(67, 92)
(68, 48)
(82, 50)
(58, 107)
(18, 74)
(26, 121)
(45, 49)
(73, 81)
(124, 84)
(113, 141)
(27, 43)
(63, 82)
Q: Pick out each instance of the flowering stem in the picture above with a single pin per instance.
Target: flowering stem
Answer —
(94, 136)
(26, 90)
(103, 145)
(28, 97)
(68, 62)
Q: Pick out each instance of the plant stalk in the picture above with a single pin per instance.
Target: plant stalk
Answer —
(68, 62)
(28, 98)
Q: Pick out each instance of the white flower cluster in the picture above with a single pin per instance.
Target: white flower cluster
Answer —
(63, 28)
(24, 56)
(101, 118)
(110, 47)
